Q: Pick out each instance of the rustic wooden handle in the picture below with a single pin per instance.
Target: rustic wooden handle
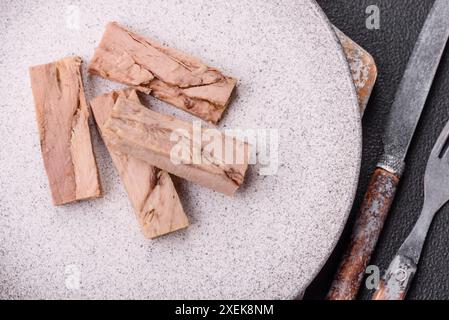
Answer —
(370, 221)
(397, 279)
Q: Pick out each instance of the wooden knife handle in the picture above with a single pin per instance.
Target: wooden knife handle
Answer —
(397, 279)
(369, 223)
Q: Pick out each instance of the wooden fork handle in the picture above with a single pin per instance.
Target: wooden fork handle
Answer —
(397, 279)
(369, 223)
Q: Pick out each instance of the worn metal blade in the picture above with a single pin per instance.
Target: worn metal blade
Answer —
(416, 83)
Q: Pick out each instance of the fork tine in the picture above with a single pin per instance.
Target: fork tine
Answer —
(441, 142)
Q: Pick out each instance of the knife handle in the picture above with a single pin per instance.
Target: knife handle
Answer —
(369, 223)
(397, 279)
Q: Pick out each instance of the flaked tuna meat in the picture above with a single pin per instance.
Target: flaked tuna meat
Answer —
(150, 190)
(62, 117)
(173, 145)
(168, 74)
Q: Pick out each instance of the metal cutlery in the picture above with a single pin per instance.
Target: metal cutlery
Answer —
(405, 113)
(402, 269)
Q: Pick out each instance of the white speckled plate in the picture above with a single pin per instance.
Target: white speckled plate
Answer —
(268, 242)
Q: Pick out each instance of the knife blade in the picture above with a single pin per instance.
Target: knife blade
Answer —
(414, 88)
(404, 116)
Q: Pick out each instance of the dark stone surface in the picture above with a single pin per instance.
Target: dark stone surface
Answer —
(391, 47)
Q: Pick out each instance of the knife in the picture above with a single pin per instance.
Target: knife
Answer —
(403, 119)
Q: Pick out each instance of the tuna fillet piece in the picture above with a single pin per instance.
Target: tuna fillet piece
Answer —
(166, 73)
(150, 190)
(62, 117)
(203, 156)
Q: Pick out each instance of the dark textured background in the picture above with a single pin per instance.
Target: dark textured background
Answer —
(391, 47)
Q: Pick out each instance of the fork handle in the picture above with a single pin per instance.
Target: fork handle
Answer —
(397, 279)
(369, 223)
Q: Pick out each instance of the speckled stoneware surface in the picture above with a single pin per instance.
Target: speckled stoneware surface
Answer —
(267, 242)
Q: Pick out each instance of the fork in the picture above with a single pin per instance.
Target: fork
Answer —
(400, 273)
